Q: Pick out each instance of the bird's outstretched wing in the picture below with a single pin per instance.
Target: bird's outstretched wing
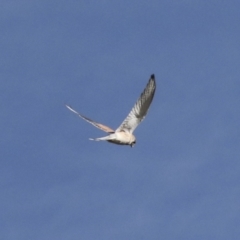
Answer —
(140, 108)
(98, 125)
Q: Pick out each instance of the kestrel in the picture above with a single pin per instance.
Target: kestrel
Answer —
(123, 135)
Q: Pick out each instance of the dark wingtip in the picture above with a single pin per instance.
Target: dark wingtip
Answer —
(153, 76)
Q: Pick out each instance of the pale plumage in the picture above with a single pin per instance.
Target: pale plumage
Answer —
(140, 108)
(123, 134)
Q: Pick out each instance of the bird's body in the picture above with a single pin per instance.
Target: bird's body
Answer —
(123, 135)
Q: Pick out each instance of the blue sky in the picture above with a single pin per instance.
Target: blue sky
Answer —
(180, 181)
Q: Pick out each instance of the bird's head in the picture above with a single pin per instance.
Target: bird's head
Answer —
(133, 141)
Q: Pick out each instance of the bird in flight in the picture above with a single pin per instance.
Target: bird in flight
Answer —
(123, 135)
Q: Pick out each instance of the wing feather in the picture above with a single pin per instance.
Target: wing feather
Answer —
(95, 124)
(139, 111)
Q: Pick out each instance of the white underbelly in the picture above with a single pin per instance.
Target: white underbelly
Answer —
(121, 138)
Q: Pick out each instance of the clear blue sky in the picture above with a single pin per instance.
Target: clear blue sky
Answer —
(180, 181)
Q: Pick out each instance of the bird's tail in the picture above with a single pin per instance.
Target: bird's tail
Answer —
(102, 138)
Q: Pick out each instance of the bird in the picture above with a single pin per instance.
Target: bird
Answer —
(123, 135)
